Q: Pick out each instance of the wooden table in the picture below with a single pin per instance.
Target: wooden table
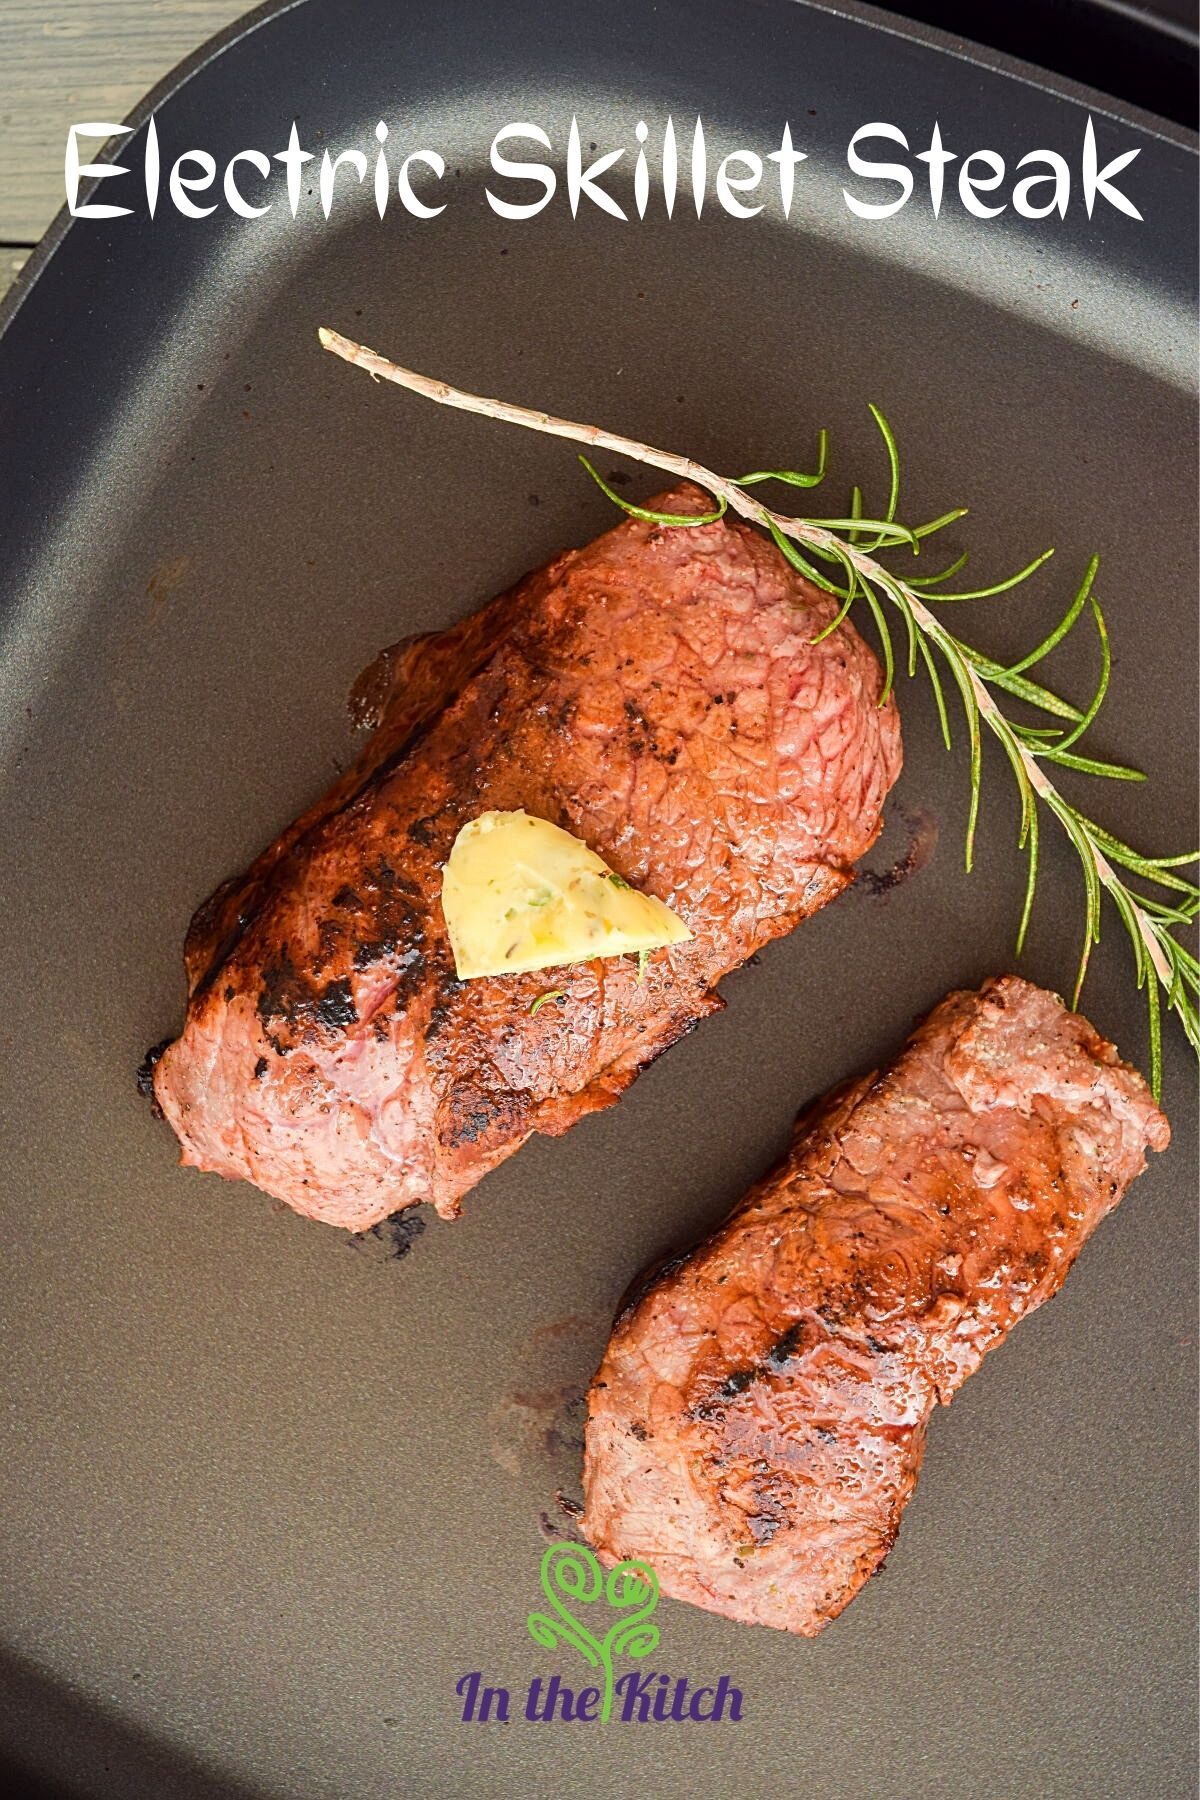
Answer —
(70, 61)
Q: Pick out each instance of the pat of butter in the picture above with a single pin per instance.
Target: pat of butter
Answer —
(519, 893)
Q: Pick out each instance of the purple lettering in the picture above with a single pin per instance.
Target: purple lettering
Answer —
(479, 1707)
(588, 1704)
(634, 1693)
(557, 1694)
(695, 1710)
(726, 1691)
(468, 1689)
(660, 1699)
(652, 1697)
(500, 1697)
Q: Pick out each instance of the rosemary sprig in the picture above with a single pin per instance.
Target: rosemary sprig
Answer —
(840, 556)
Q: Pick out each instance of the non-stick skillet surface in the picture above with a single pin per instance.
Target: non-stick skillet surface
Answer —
(266, 1495)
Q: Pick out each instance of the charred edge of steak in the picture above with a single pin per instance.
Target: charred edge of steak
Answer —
(558, 1530)
(367, 701)
(397, 1233)
(145, 1074)
(474, 1114)
(675, 1034)
(258, 889)
(649, 1278)
(382, 919)
(205, 919)
(288, 997)
(923, 837)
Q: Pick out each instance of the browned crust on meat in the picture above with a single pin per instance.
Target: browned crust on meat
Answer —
(657, 693)
(757, 1424)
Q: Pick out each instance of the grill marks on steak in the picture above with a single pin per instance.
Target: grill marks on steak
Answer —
(757, 1424)
(657, 694)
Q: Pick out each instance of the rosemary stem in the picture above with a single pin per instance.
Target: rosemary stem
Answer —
(382, 369)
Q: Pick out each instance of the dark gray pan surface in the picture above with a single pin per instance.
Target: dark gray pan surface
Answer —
(266, 1495)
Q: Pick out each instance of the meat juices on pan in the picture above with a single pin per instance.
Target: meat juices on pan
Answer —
(659, 695)
(758, 1421)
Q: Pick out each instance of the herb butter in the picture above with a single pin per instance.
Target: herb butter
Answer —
(519, 893)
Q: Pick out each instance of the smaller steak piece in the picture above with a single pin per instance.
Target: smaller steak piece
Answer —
(757, 1424)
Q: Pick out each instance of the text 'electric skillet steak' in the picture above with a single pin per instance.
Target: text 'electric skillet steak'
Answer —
(658, 694)
(757, 1424)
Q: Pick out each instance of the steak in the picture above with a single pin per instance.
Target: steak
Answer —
(757, 1425)
(657, 694)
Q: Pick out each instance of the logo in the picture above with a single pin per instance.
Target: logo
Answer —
(605, 1618)
(572, 1572)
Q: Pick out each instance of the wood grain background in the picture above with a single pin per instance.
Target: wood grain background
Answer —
(66, 61)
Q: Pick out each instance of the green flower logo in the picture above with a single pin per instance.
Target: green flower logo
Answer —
(571, 1576)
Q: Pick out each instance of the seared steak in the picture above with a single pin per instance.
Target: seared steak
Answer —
(657, 694)
(757, 1424)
